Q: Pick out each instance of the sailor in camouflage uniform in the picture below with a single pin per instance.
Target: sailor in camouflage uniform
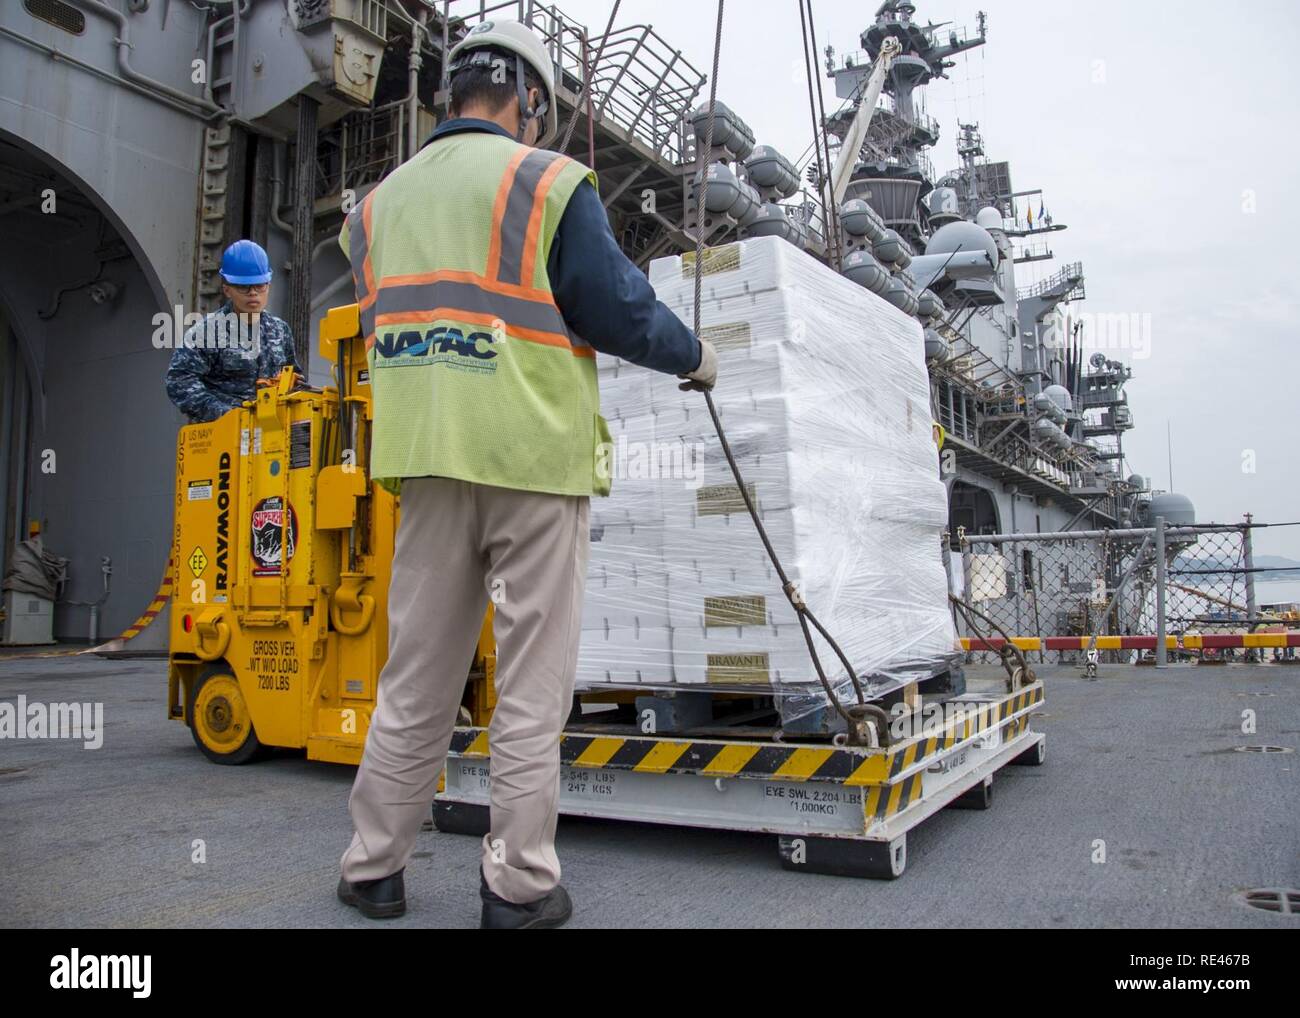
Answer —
(220, 359)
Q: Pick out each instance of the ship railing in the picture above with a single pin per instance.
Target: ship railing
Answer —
(1153, 579)
(949, 35)
(850, 60)
(1017, 451)
(1057, 282)
(873, 154)
(958, 418)
(939, 35)
(640, 84)
(981, 373)
(1033, 252)
(918, 117)
(361, 148)
(648, 90)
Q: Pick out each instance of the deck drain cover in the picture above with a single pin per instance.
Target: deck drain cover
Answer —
(1280, 900)
(1262, 749)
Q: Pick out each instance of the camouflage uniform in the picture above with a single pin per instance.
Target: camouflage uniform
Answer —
(216, 366)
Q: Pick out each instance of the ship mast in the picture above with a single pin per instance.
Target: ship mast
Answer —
(891, 167)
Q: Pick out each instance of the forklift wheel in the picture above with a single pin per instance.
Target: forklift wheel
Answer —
(219, 719)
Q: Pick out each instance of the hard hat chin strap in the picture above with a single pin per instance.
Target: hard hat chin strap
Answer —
(525, 114)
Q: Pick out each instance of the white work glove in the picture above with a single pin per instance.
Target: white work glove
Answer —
(704, 376)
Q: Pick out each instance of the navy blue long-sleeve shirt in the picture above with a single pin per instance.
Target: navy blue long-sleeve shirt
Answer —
(602, 295)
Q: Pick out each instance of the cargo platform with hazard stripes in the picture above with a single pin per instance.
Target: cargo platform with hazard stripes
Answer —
(835, 808)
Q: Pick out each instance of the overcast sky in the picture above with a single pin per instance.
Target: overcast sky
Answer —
(1153, 129)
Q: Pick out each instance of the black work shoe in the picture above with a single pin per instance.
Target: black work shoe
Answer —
(384, 898)
(545, 913)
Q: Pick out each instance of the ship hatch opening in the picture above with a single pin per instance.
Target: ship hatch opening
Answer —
(87, 435)
(971, 507)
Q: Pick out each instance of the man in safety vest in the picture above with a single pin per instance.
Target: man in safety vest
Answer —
(486, 275)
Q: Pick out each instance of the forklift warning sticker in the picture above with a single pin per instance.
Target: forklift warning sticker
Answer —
(199, 491)
(268, 524)
(275, 662)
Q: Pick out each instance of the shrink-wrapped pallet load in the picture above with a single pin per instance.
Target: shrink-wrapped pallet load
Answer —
(823, 393)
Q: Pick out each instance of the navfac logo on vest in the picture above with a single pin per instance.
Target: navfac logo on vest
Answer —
(441, 345)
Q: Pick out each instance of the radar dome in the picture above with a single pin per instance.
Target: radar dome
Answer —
(989, 218)
(1060, 395)
(963, 236)
(1177, 510)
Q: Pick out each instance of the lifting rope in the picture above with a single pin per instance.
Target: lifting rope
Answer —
(1012, 657)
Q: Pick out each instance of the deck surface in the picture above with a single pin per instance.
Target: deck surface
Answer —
(1143, 760)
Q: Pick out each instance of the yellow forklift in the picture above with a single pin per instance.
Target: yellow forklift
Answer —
(279, 633)
(279, 621)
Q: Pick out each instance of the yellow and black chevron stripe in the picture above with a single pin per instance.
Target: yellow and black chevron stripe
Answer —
(660, 755)
(851, 766)
(979, 718)
(895, 795)
(886, 800)
(155, 606)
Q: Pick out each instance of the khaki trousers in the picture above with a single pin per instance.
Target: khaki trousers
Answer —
(457, 545)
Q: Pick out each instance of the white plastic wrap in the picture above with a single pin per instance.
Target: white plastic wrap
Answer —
(823, 393)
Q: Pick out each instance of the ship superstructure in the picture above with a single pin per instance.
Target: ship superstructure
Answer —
(138, 139)
(1035, 430)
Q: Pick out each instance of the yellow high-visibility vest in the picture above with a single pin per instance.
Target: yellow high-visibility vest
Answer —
(474, 373)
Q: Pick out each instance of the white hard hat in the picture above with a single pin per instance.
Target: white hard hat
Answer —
(519, 39)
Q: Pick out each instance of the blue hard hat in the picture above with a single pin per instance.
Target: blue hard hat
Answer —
(245, 262)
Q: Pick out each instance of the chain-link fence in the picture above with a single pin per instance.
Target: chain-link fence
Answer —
(1154, 582)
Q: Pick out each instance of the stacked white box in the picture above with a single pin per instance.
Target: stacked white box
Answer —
(625, 655)
(627, 582)
(824, 396)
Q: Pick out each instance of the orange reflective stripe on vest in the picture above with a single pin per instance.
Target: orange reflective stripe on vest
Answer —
(504, 193)
(363, 274)
(507, 297)
(518, 219)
